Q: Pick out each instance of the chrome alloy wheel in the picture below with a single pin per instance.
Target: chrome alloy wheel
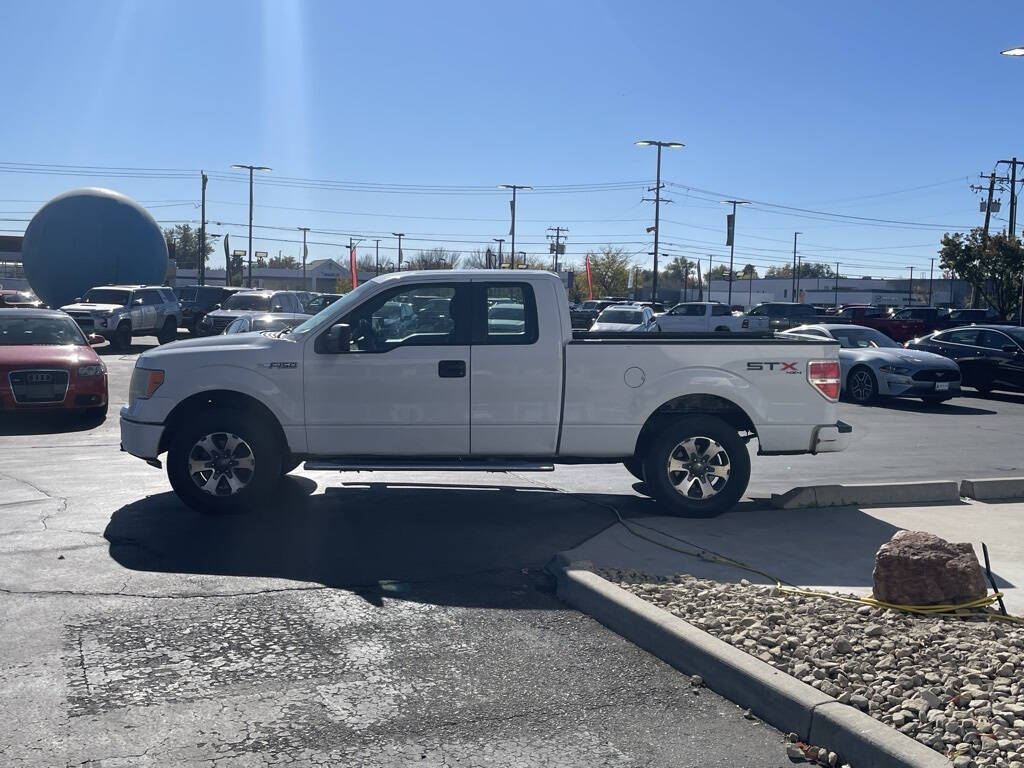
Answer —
(699, 468)
(221, 464)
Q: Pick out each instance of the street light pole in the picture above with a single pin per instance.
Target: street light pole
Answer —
(399, 235)
(931, 275)
(836, 301)
(792, 277)
(500, 241)
(910, 287)
(251, 168)
(515, 188)
(732, 242)
(657, 202)
(377, 258)
(304, 231)
(1018, 51)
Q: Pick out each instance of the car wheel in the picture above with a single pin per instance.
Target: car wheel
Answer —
(169, 332)
(861, 385)
(290, 463)
(122, 337)
(635, 467)
(984, 386)
(224, 460)
(697, 467)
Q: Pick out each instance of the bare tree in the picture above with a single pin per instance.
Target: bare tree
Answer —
(435, 258)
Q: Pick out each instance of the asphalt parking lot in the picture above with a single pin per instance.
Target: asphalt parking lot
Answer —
(372, 619)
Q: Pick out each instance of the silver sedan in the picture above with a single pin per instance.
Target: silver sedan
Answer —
(871, 364)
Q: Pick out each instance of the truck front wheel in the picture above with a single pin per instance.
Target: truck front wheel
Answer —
(224, 460)
(697, 467)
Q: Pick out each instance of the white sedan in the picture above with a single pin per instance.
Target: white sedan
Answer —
(625, 317)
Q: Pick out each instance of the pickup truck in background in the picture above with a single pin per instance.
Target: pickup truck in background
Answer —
(896, 328)
(708, 316)
(783, 315)
(452, 390)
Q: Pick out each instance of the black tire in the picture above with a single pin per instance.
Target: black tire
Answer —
(121, 339)
(984, 386)
(861, 385)
(934, 400)
(96, 415)
(169, 332)
(258, 447)
(707, 437)
(635, 467)
(290, 463)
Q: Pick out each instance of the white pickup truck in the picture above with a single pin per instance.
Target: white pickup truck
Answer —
(451, 389)
(708, 316)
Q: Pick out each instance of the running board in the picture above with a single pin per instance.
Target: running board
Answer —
(431, 465)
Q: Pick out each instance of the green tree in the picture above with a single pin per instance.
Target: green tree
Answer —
(183, 245)
(236, 269)
(750, 272)
(609, 271)
(282, 262)
(993, 270)
(807, 270)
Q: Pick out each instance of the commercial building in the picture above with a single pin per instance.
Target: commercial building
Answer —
(322, 275)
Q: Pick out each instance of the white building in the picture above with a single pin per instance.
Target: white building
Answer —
(322, 275)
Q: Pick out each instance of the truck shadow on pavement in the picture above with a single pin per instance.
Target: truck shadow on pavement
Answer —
(46, 423)
(374, 539)
(942, 409)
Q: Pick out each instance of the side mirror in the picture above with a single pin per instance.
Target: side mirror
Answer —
(215, 307)
(77, 299)
(94, 339)
(336, 341)
(1011, 348)
(137, 302)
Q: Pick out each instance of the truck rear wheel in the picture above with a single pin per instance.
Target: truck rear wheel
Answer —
(697, 467)
(169, 332)
(224, 460)
(635, 467)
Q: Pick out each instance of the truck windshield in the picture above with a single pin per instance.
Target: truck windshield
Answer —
(106, 296)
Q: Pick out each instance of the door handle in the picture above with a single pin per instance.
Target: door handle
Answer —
(451, 369)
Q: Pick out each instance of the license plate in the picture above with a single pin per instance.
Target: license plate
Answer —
(941, 386)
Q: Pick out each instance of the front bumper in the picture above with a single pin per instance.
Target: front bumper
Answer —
(903, 386)
(82, 392)
(831, 438)
(139, 438)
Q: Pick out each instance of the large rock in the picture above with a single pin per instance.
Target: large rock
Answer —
(918, 568)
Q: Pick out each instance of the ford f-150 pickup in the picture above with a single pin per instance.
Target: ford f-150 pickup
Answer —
(450, 389)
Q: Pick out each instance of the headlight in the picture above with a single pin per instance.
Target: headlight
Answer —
(92, 370)
(144, 383)
(897, 370)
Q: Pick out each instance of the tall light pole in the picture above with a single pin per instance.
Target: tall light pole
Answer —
(1018, 51)
(377, 257)
(515, 188)
(500, 241)
(931, 275)
(251, 169)
(732, 240)
(304, 230)
(910, 287)
(836, 300)
(657, 201)
(792, 277)
(399, 235)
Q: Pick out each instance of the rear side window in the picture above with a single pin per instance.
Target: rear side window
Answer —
(504, 313)
(719, 310)
(963, 336)
(168, 295)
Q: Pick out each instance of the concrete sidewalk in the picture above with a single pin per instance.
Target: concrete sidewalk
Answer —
(825, 548)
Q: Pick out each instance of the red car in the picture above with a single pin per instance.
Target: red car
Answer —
(47, 364)
(897, 329)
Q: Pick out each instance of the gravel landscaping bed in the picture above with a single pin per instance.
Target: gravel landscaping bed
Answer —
(952, 684)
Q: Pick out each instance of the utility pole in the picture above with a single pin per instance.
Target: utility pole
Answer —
(799, 269)
(377, 257)
(910, 287)
(202, 234)
(731, 237)
(251, 168)
(500, 241)
(558, 233)
(836, 300)
(399, 235)
(657, 202)
(931, 275)
(711, 260)
(792, 282)
(515, 188)
(304, 231)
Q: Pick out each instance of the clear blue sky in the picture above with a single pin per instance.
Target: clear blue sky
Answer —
(807, 104)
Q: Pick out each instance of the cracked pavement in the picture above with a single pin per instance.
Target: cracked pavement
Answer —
(370, 620)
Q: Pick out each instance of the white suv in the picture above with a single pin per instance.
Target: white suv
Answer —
(118, 312)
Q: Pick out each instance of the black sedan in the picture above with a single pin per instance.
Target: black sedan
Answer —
(990, 356)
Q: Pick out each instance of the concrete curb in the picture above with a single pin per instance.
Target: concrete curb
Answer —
(993, 489)
(869, 495)
(777, 698)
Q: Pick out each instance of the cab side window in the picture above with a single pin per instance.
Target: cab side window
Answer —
(429, 314)
(719, 310)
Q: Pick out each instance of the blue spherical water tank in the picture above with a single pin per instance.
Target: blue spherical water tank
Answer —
(89, 237)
